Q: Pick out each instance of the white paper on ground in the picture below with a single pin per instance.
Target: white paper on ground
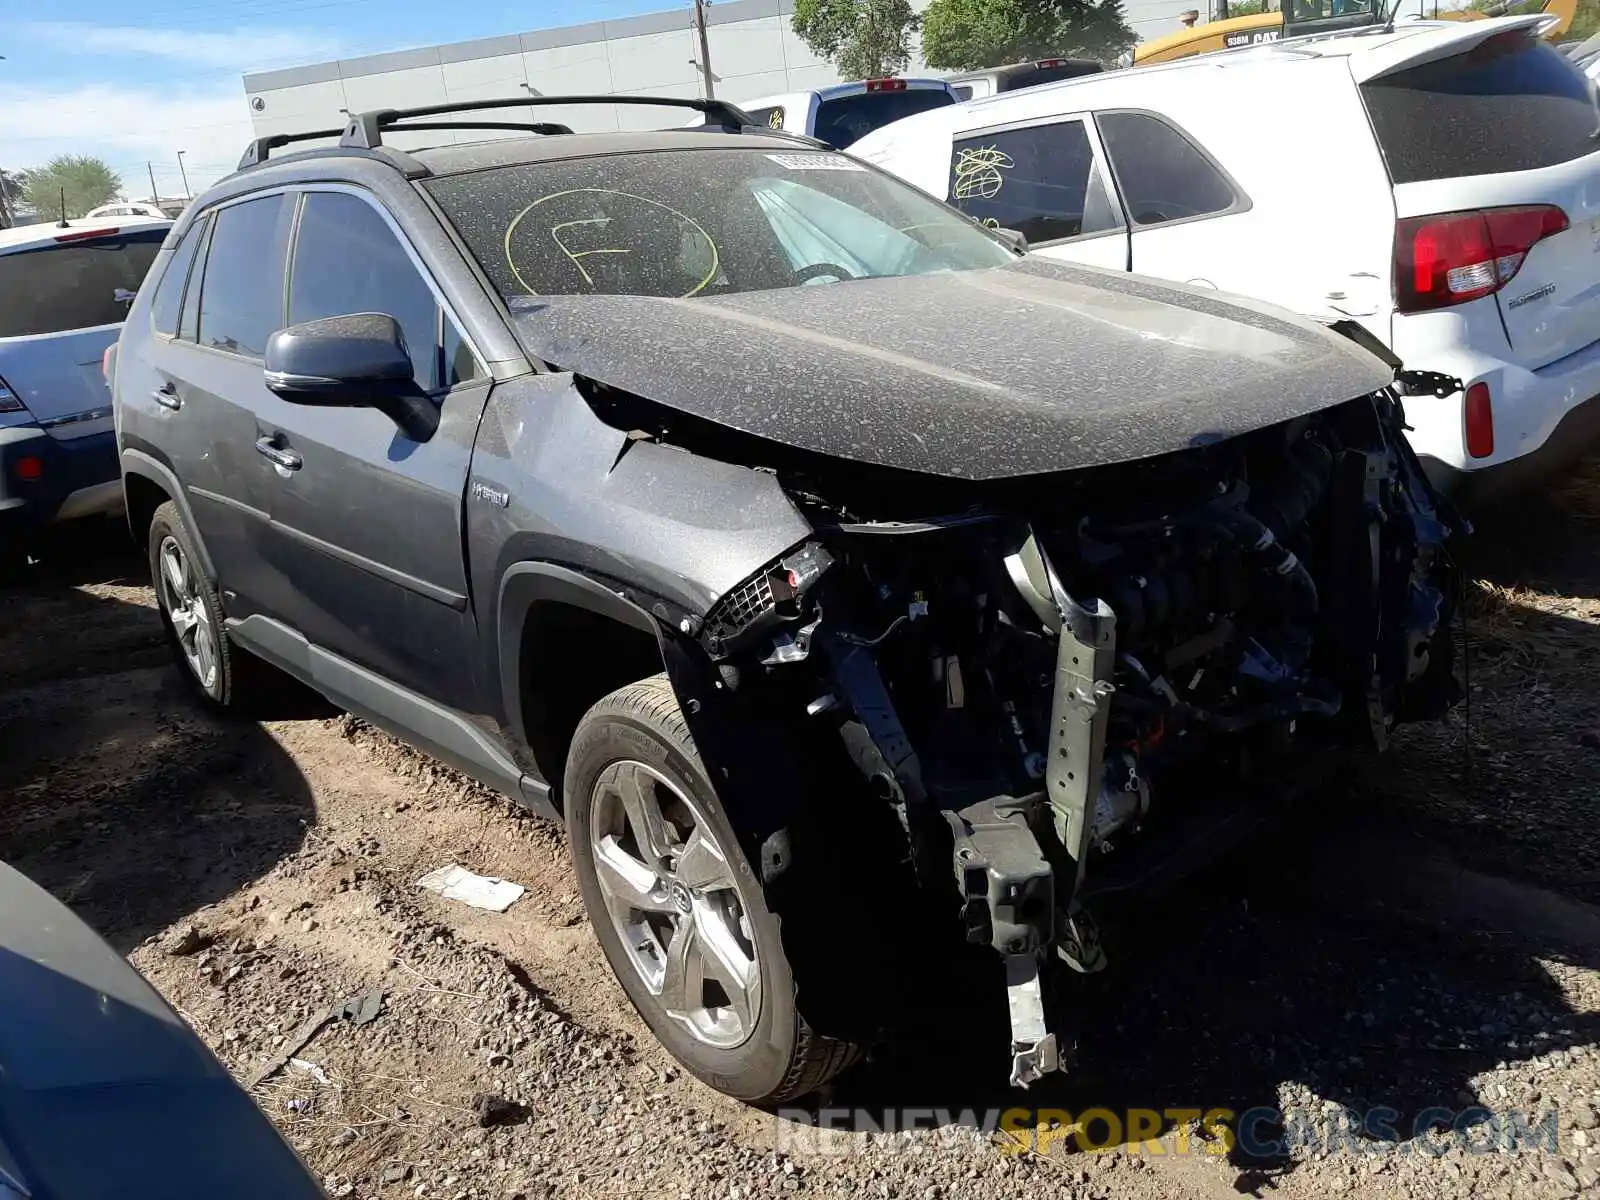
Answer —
(458, 883)
(312, 1068)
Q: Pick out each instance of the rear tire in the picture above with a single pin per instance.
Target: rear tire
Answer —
(225, 676)
(665, 883)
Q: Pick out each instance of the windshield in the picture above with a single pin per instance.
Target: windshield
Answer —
(74, 285)
(703, 223)
(845, 120)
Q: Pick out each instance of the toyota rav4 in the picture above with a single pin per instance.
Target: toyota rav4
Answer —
(790, 536)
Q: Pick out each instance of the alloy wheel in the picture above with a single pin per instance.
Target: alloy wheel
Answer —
(669, 891)
(191, 619)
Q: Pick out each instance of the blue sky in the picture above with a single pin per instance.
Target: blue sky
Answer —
(141, 81)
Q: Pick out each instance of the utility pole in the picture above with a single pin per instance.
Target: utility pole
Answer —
(154, 195)
(185, 175)
(705, 48)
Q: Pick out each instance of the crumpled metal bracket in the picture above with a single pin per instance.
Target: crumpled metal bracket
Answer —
(1429, 383)
(1008, 902)
(1034, 1051)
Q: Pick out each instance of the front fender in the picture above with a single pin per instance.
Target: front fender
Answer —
(742, 751)
(524, 585)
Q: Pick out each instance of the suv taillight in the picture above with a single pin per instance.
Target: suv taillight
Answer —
(886, 85)
(1451, 258)
(10, 402)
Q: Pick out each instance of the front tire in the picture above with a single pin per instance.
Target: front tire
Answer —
(678, 910)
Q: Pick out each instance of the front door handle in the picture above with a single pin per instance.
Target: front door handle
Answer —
(167, 396)
(268, 448)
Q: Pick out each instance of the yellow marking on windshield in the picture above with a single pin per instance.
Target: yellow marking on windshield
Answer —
(574, 256)
(978, 172)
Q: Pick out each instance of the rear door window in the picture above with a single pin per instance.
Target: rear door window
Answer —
(1163, 176)
(1041, 180)
(1511, 103)
(347, 260)
(241, 299)
(75, 284)
(847, 119)
(169, 292)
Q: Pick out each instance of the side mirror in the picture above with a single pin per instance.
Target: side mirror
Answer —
(1014, 238)
(348, 361)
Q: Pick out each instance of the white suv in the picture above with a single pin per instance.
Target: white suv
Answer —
(1439, 183)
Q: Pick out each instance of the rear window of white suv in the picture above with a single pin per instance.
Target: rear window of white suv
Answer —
(1511, 103)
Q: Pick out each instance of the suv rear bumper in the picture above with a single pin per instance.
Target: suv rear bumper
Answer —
(1537, 413)
(76, 478)
(1566, 443)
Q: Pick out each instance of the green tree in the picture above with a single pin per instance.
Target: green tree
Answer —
(1585, 22)
(864, 39)
(86, 180)
(10, 197)
(967, 35)
(1248, 8)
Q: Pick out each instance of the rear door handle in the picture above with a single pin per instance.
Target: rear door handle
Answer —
(167, 396)
(277, 455)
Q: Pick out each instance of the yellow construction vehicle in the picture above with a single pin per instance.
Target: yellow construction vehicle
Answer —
(1298, 18)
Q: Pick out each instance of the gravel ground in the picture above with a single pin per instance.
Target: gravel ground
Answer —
(1421, 941)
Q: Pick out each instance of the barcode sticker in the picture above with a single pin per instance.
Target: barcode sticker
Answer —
(816, 162)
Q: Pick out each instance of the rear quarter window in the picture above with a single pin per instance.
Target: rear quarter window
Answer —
(169, 292)
(1163, 175)
(1511, 103)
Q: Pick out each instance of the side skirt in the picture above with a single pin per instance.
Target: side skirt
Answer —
(429, 726)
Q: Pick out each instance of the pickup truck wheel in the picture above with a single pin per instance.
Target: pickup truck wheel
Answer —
(677, 909)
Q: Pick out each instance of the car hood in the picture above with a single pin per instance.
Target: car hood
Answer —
(1016, 370)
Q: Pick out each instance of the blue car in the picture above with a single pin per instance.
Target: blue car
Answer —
(64, 292)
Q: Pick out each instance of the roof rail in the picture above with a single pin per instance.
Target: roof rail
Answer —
(365, 130)
(547, 128)
(259, 148)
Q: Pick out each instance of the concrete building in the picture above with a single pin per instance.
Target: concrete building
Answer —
(754, 52)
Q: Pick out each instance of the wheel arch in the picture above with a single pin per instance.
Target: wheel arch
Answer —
(586, 641)
(565, 640)
(147, 484)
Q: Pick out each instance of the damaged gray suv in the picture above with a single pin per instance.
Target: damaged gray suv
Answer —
(826, 564)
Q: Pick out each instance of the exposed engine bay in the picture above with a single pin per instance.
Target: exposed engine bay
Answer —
(1038, 679)
(1037, 674)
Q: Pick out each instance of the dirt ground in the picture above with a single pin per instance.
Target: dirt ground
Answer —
(1422, 940)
